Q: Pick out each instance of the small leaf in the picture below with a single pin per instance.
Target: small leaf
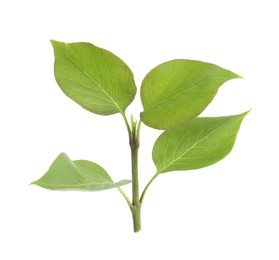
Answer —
(93, 77)
(202, 142)
(177, 91)
(82, 175)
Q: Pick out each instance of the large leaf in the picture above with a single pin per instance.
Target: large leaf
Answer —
(82, 175)
(177, 91)
(93, 77)
(200, 143)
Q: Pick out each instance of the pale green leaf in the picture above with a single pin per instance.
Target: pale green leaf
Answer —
(200, 143)
(82, 175)
(177, 91)
(93, 77)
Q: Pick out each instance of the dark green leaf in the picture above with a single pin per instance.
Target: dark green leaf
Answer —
(177, 91)
(200, 143)
(82, 175)
(93, 77)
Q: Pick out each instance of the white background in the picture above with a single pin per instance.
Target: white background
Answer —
(226, 211)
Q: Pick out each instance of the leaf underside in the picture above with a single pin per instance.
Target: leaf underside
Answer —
(200, 143)
(93, 77)
(177, 91)
(80, 175)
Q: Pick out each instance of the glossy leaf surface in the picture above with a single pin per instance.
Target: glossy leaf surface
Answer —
(82, 175)
(202, 142)
(177, 91)
(93, 77)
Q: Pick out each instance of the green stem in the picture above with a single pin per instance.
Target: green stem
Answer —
(135, 177)
(134, 145)
(136, 218)
(134, 141)
(147, 186)
(135, 206)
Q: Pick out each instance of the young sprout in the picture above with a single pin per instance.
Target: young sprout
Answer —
(173, 94)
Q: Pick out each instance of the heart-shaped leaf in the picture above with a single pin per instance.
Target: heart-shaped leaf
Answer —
(200, 143)
(82, 175)
(93, 77)
(177, 91)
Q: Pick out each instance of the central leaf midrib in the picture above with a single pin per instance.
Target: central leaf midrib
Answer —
(193, 146)
(85, 184)
(81, 185)
(93, 80)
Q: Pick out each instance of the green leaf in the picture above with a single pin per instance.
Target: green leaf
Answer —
(177, 91)
(82, 175)
(93, 77)
(200, 143)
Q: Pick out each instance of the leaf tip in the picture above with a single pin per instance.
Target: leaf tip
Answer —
(243, 115)
(247, 112)
(33, 183)
(55, 43)
(236, 76)
(233, 75)
(239, 76)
